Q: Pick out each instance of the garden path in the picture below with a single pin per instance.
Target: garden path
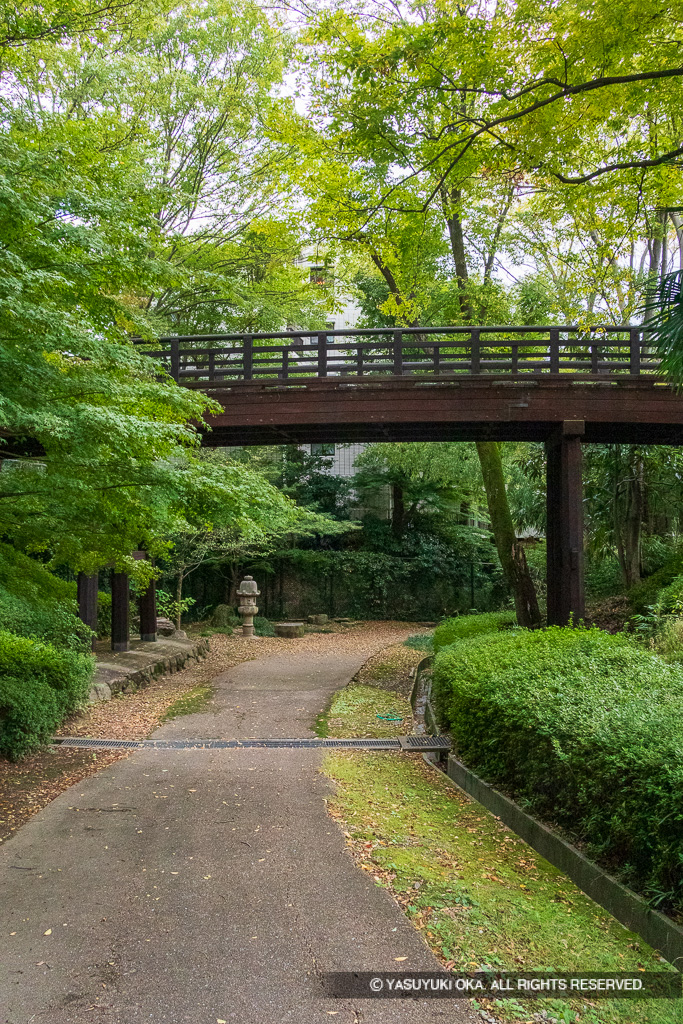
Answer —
(198, 886)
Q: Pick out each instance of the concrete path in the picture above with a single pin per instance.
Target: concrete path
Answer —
(192, 887)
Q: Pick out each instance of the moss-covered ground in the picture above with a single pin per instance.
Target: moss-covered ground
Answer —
(478, 893)
(189, 703)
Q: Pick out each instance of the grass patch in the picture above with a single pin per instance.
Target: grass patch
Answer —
(354, 709)
(195, 700)
(480, 895)
(421, 642)
(390, 669)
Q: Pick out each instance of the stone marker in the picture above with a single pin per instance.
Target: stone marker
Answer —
(247, 594)
(290, 630)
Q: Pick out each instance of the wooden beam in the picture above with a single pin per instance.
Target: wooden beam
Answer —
(564, 526)
(147, 607)
(120, 611)
(86, 590)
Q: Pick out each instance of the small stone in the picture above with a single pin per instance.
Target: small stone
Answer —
(317, 620)
(289, 630)
(99, 691)
(165, 627)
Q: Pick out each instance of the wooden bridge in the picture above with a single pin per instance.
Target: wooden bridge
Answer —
(559, 385)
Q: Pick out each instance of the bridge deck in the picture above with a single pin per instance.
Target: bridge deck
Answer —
(499, 383)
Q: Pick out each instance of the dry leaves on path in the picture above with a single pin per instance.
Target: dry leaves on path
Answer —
(28, 786)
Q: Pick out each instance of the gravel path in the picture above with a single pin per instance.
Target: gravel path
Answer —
(196, 887)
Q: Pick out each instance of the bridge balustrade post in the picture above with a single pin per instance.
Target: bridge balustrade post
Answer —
(120, 611)
(86, 591)
(475, 352)
(564, 529)
(398, 353)
(175, 359)
(554, 350)
(248, 357)
(322, 355)
(634, 338)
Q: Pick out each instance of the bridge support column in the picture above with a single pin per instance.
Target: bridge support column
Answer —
(120, 611)
(147, 607)
(87, 601)
(564, 530)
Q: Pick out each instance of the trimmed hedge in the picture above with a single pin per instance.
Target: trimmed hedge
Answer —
(39, 686)
(585, 729)
(464, 627)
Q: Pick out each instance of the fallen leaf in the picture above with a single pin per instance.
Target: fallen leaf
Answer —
(48, 932)
(400, 958)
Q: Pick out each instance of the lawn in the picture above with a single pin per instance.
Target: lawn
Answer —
(479, 894)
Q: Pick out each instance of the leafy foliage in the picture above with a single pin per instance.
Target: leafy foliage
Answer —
(584, 729)
(39, 685)
(664, 311)
(35, 603)
(465, 627)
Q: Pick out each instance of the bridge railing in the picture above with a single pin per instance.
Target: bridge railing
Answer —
(598, 353)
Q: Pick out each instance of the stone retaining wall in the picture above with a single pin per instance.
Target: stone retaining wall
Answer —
(127, 671)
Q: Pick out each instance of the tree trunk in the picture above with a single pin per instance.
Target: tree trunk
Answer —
(451, 199)
(398, 512)
(633, 526)
(178, 597)
(510, 551)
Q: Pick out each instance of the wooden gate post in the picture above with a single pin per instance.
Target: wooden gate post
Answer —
(87, 601)
(564, 525)
(120, 611)
(147, 605)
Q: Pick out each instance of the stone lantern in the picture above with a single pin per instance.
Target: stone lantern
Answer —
(247, 593)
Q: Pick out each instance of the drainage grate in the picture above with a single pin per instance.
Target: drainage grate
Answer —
(424, 743)
(82, 741)
(362, 744)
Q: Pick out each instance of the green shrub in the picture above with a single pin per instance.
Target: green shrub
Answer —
(668, 639)
(34, 602)
(464, 627)
(57, 624)
(584, 728)
(644, 594)
(224, 615)
(39, 686)
(263, 627)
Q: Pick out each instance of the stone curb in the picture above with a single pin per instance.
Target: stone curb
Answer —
(116, 676)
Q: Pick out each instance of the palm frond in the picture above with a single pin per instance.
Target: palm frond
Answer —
(663, 312)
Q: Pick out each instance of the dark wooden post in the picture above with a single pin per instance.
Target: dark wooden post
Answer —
(564, 529)
(147, 607)
(475, 352)
(322, 355)
(175, 359)
(248, 357)
(120, 611)
(398, 353)
(87, 601)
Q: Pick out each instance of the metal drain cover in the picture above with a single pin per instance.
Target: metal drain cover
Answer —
(424, 743)
(360, 744)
